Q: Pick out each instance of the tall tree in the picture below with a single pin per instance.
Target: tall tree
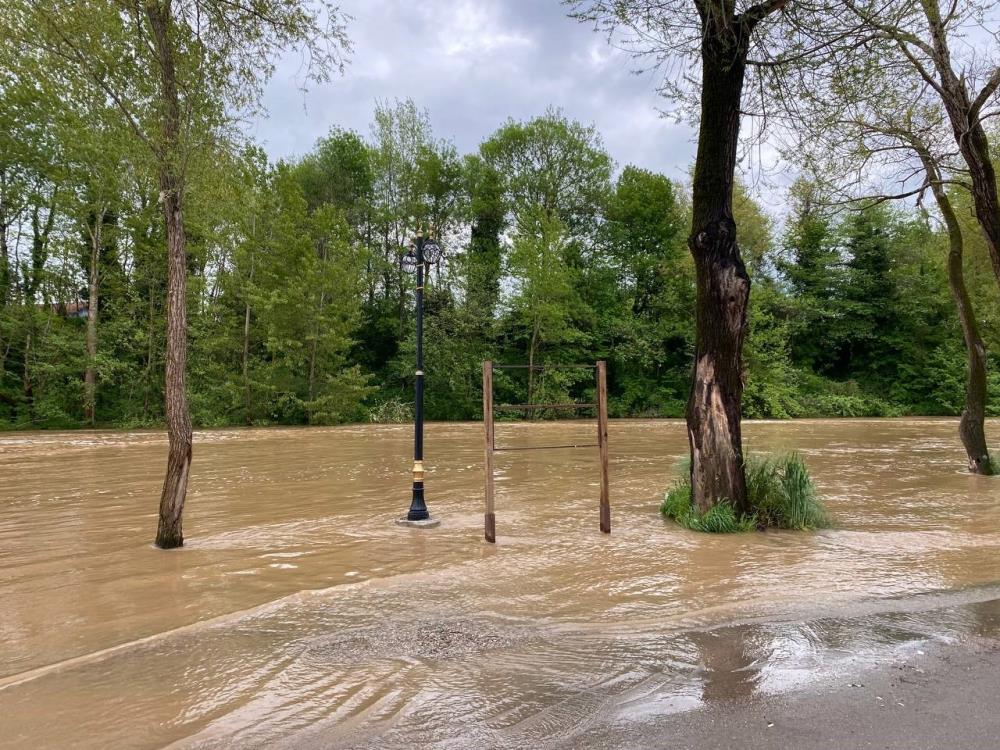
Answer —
(651, 335)
(178, 70)
(556, 178)
(871, 125)
(720, 35)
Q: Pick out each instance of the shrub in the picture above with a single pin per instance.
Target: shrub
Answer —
(393, 411)
(781, 495)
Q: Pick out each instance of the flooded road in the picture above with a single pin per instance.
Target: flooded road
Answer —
(299, 610)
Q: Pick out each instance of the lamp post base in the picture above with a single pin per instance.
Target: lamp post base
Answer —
(424, 523)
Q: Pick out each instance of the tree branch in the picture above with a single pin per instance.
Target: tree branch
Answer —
(984, 96)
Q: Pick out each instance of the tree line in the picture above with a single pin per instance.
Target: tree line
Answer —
(299, 311)
(157, 267)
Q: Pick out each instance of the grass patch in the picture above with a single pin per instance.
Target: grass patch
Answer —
(781, 495)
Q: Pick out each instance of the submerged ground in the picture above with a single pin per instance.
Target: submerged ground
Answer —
(299, 615)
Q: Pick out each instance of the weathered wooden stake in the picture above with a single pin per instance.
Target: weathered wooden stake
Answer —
(491, 519)
(602, 443)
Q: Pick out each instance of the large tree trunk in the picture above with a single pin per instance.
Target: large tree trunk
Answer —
(723, 286)
(970, 428)
(169, 533)
(90, 375)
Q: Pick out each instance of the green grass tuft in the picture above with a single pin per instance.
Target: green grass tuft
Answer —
(781, 495)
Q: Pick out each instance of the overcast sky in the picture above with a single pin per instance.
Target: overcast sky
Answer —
(472, 64)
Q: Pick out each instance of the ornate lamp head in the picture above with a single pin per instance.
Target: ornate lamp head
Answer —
(431, 251)
(409, 261)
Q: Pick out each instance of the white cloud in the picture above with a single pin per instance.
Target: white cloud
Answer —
(473, 64)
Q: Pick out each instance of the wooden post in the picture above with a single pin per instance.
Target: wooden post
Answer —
(491, 519)
(602, 443)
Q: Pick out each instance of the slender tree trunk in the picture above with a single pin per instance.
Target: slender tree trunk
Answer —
(970, 428)
(90, 376)
(247, 396)
(532, 347)
(150, 335)
(247, 392)
(970, 136)
(169, 532)
(723, 285)
(26, 382)
(315, 348)
(179, 430)
(4, 266)
(40, 234)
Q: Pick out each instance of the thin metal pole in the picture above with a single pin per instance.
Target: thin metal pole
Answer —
(602, 442)
(490, 518)
(418, 508)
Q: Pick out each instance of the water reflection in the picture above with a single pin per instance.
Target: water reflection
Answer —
(729, 665)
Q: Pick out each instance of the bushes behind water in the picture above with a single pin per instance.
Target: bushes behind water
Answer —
(780, 492)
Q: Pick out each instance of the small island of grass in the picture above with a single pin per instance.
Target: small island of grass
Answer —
(781, 495)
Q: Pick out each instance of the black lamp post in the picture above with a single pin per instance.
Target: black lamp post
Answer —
(423, 253)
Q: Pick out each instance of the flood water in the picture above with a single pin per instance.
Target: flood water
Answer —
(298, 610)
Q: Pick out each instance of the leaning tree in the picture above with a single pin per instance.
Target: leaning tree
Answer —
(739, 51)
(869, 130)
(954, 51)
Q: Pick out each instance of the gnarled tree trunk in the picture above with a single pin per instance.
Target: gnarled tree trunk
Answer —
(169, 533)
(723, 286)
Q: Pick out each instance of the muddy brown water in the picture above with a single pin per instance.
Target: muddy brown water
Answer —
(299, 610)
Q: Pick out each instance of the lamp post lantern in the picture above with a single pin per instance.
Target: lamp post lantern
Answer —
(423, 253)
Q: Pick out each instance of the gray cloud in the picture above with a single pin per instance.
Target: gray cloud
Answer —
(472, 64)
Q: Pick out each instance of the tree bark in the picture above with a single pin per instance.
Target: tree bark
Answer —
(971, 429)
(970, 136)
(169, 533)
(90, 375)
(723, 285)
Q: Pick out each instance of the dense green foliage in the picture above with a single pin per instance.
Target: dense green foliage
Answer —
(300, 311)
(780, 493)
